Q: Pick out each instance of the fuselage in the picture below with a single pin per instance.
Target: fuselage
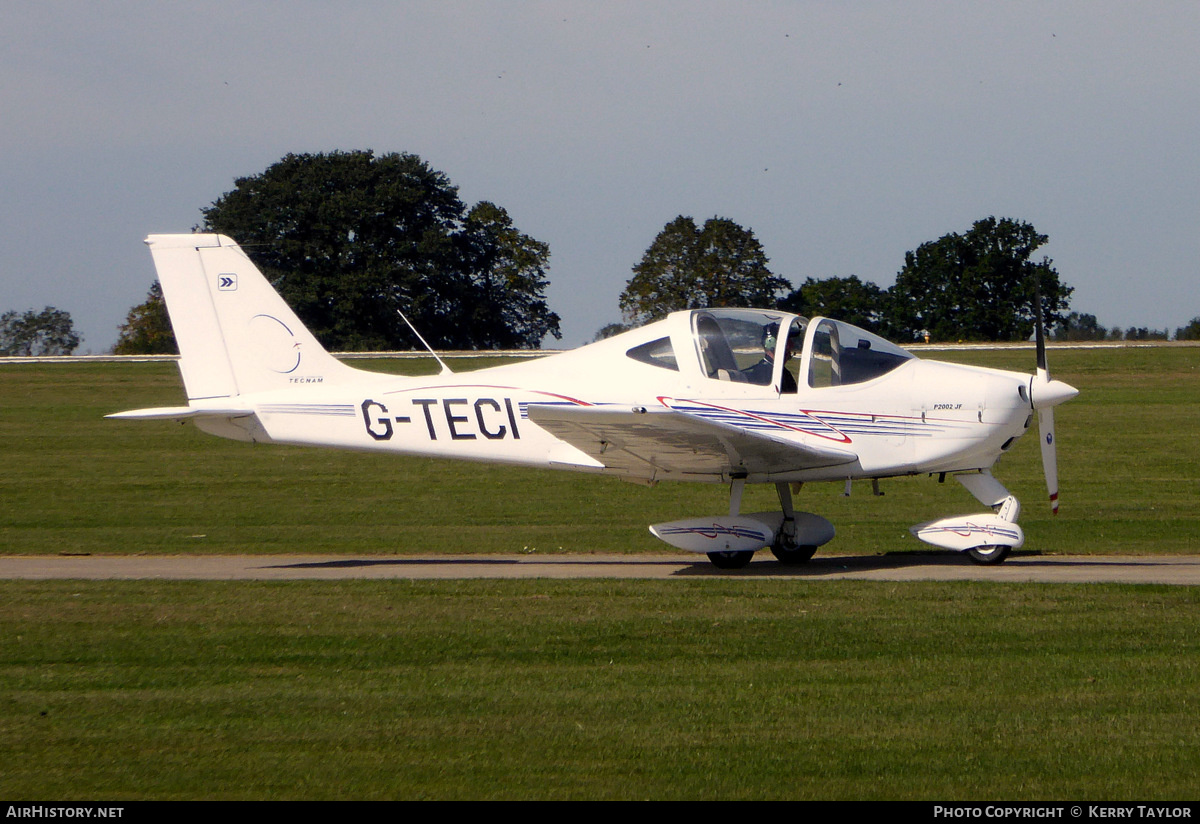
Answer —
(850, 390)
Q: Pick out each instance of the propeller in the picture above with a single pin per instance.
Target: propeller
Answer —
(1044, 395)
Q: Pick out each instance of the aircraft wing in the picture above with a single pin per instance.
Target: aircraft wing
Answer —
(648, 442)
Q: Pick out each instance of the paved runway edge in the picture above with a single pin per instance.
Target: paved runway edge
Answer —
(1177, 570)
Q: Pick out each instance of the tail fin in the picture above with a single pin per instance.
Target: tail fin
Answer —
(235, 333)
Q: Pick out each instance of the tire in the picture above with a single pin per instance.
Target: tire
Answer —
(989, 554)
(730, 560)
(792, 556)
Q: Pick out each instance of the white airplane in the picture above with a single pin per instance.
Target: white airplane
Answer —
(729, 396)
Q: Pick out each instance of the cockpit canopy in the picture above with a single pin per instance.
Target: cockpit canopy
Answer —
(773, 350)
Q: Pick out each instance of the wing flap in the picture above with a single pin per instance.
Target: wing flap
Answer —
(649, 442)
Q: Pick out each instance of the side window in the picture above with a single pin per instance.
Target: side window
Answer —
(656, 353)
(843, 354)
(745, 346)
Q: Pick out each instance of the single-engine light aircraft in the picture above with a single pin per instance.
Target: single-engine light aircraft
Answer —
(728, 396)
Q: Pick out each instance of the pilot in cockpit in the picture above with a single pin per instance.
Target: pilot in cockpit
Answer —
(762, 372)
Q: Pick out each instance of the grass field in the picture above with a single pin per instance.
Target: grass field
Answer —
(713, 688)
(722, 689)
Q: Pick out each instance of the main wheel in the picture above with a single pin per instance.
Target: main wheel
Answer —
(989, 554)
(792, 555)
(730, 560)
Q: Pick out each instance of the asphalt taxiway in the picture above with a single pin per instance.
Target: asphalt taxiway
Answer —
(1180, 570)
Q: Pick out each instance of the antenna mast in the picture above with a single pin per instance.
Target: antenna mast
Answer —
(445, 369)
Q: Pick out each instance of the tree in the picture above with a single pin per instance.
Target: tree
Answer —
(855, 301)
(350, 240)
(1189, 332)
(720, 264)
(147, 328)
(510, 275)
(979, 285)
(609, 330)
(1080, 327)
(1142, 333)
(49, 332)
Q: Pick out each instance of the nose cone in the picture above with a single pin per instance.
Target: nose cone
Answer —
(1046, 394)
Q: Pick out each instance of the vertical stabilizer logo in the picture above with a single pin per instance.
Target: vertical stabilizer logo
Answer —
(274, 345)
(227, 283)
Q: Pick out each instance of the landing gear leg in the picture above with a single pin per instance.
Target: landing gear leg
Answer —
(786, 548)
(738, 559)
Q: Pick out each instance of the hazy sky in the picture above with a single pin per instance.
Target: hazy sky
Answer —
(843, 134)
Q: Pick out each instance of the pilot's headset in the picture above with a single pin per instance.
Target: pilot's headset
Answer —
(770, 337)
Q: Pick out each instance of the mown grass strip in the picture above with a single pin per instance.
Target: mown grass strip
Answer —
(598, 689)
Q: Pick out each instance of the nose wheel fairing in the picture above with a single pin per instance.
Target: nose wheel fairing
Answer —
(987, 538)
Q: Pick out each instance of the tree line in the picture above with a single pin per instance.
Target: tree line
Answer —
(352, 239)
(978, 285)
(28, 333)
(981, 285)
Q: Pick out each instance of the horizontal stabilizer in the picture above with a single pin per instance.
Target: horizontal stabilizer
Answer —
(180, 413)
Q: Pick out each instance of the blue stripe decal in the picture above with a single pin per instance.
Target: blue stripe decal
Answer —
(841, 426)
(715, 530)
(971, 529)
(328, 409)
